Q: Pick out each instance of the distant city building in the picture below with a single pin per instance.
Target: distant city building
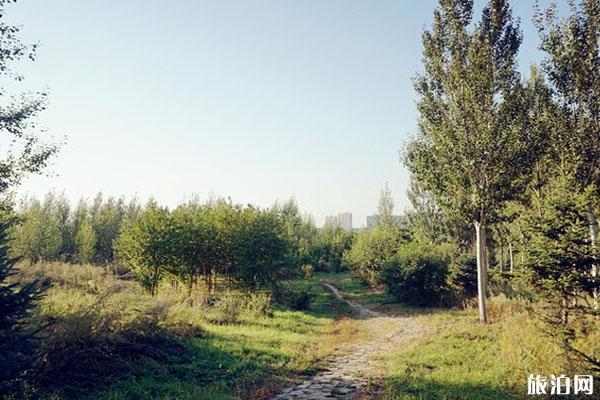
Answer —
(372, 220)
(342, 220)
(345, 221)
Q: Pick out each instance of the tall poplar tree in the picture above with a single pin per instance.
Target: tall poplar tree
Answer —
(470, 146)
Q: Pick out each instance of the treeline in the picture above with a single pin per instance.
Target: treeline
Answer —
(245, 245)
(505, 171)
(52, 229)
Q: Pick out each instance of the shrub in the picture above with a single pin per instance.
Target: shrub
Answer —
(232, 306)
(295, 298)
(417, 274)
(258, 305)
(371, 250)
(227, 309)
(96, 340)
(323, 266)
(307, 270)
(462, 276)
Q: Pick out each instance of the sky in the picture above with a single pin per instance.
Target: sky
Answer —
(259, 100)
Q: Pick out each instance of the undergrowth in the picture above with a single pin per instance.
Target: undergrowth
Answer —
(105, 338)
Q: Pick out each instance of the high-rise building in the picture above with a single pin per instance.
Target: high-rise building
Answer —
(345, 221)
(342, 220)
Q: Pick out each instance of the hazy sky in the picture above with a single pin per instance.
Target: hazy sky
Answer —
(257, 100)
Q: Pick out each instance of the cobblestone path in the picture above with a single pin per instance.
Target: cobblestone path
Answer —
(346, 372)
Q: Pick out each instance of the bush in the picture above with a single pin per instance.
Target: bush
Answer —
(295, 298)
(370, 252)
(258, 305)
(307, 270)
(227, 309)
(462, 277)
(417, 274)
(231, 306)
(96, 340)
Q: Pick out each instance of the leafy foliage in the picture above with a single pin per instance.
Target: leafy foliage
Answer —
(23, 149)
(417, 274)
(144, 246)
(371, 250)
(462, 277)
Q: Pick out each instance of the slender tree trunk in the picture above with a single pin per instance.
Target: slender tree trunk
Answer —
(564, 315)
(481, 269)
(512, 259)
(501, 256)
(190, 286)
(593, 237)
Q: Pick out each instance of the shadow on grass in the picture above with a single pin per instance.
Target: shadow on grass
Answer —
(162, 367)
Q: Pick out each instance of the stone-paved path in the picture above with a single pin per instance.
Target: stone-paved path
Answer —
(345, 373)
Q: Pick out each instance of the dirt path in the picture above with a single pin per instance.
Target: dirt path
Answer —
(347, 371)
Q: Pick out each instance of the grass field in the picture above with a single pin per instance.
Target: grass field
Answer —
(459, 358)
(108, 339)
(163, 348)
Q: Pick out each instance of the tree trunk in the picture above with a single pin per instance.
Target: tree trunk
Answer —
(501, 255)
(481, 269)
(512, 259)
(190, 286)
(564, 315)
(593, 236)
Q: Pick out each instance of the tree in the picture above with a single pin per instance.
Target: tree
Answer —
(472, 140)
(385, 208)
(16, 344)
(299, 232)
(262, 248)
(558, 258)
(371, 250)
(27, 153)
(38, 236)
(329, 246)
(145, 246)
(572, 48)
(417, 274)
(222, 221)
(85, 242)
(62, 208)
(195, 246)
(426, 220)
(106, 218)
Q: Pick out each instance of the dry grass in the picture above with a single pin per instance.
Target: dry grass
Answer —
(108, 339)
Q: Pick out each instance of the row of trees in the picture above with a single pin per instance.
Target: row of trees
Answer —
(244, 245)
(53, 230)
(502, 167)
(194, 240)
(516, 159)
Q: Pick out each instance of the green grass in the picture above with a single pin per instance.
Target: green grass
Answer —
(171, 349)
(460, 358)
(195, 358)
(357, 290)
(234, 360)
(455, 357)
